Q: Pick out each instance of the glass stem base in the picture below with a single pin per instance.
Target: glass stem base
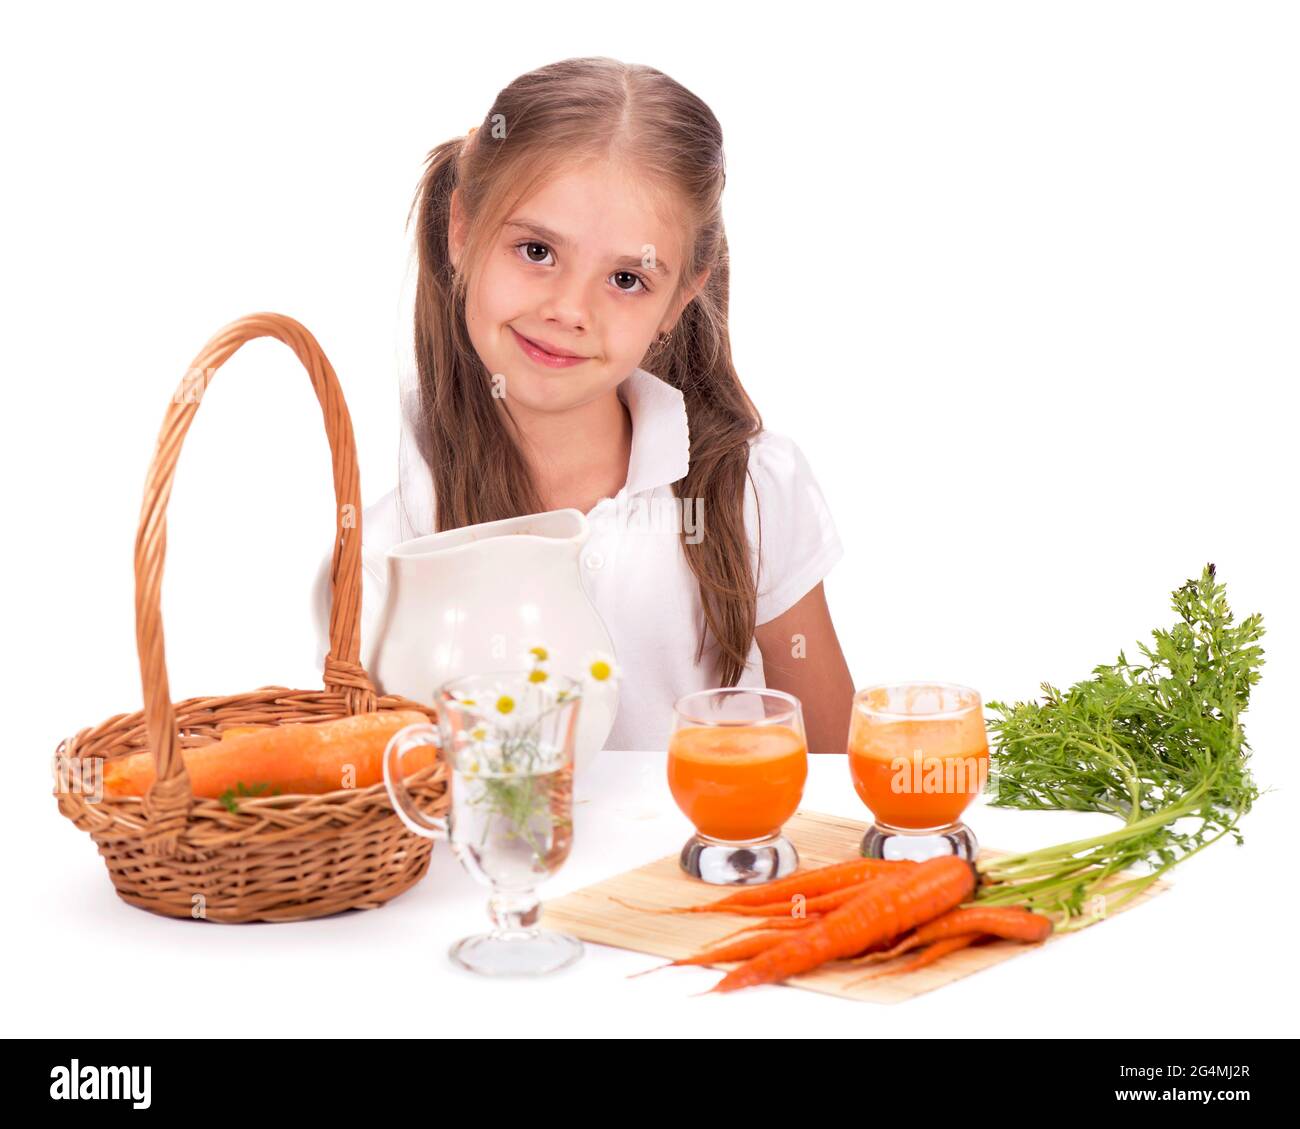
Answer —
(516, 946)
(739, 864)
(884, 842)
(533, 954)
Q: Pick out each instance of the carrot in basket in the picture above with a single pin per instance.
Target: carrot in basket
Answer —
(301, 757)
(928, 955)
(1011, 923)
(883, 910)
(240, 730)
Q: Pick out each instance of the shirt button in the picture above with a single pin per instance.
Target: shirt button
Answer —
(595, 560)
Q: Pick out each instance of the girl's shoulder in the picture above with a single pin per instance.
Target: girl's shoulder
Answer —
(780, 475)
(792, 534)
(773, 453)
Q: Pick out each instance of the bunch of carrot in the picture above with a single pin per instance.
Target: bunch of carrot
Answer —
(863, 911)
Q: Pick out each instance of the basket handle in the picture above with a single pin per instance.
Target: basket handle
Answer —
(168, 800)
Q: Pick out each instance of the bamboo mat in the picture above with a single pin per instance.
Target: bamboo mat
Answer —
(590, 914)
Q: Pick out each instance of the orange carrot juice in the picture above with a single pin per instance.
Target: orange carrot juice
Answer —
(918, 772)
(737, 782)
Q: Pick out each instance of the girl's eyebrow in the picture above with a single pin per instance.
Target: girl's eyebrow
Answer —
(547, 235)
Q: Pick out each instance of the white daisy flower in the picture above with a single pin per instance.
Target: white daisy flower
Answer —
(600, 667)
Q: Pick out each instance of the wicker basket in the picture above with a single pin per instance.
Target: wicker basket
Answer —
(276, 858)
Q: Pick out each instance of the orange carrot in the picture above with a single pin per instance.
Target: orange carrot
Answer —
(776, 923)
(302, 757)
(240, 730)
(928, 955)
(790, 908)
(1012, 923)
(806, 883)
(742, 949)
(720, 954)
(884, 909)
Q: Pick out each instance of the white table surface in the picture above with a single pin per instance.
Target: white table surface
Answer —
(93, 966)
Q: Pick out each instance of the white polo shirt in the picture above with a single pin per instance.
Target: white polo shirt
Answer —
(633, 566)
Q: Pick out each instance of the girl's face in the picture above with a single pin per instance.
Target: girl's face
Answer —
(579, 281)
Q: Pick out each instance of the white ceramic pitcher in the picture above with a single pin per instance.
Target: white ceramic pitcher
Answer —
(472, 600)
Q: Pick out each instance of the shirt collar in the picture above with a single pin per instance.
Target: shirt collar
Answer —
(661, 450)
(661, 434)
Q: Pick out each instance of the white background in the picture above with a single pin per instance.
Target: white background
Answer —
(1021, 278)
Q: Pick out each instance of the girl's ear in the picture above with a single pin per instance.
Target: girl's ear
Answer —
(455, 229)
(688, 295)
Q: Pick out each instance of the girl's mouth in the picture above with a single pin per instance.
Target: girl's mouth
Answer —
(536, 352)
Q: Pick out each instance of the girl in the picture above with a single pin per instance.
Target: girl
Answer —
(571, 349)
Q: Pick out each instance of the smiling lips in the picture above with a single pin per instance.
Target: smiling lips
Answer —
(543, 355)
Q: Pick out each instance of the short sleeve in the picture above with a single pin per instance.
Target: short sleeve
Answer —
(800, 543)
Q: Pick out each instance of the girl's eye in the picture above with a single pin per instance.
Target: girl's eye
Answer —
(534, 252)
(628, 282)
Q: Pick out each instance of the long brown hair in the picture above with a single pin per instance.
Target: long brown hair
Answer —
(565, 112)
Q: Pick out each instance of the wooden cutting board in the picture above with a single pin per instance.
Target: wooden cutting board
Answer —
(591, 914)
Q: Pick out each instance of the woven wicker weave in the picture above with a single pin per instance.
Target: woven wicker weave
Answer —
(277, 858)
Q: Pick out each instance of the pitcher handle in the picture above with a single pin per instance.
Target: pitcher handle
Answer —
(420, 733)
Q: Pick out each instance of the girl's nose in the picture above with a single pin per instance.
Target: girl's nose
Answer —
(568, 304)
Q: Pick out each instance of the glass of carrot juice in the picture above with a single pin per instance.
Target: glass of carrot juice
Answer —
(737, 762)
(918, 755)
